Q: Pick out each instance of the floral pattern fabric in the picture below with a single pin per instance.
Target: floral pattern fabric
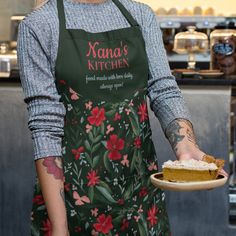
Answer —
(108, 156)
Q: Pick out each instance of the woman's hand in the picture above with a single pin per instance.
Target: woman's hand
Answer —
(182, 139)
(198, 155)
(194, 153)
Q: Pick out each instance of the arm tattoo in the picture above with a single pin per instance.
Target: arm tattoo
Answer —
(62, 194)
(174, 136)
(54, 167)
(191, 137)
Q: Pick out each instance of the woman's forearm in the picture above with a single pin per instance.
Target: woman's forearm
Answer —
(51, 179)
(181, 136)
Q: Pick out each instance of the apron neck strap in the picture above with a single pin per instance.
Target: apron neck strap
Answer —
(62, 18)
(126, 13)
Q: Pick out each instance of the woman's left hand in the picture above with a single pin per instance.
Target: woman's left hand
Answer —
(182, 139)
(197, 154)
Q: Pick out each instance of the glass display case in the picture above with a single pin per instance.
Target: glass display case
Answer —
(190, 42)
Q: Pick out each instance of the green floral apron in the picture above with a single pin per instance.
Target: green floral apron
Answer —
(108, 153)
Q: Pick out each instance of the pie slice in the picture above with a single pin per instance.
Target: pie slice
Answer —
(191, 170)
(210, 159)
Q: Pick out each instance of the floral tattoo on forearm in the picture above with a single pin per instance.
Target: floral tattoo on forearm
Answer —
(54, 167)
(175, 137)
(62, 193)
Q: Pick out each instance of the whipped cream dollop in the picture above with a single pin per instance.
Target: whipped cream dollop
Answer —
(190, 165)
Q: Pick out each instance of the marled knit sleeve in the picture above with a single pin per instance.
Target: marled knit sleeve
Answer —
(46, 112)
(166, 99)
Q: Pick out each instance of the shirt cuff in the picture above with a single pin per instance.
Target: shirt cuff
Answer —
(46, 145)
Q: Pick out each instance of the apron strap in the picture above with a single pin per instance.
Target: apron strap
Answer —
(62, 18)
(126, 13)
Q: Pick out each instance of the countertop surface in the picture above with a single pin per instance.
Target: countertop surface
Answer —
(208, 82)
(218, 81)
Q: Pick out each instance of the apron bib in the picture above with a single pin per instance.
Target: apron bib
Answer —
(108, 153)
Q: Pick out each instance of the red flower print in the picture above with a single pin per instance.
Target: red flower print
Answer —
(79, 201)
(114, 145)
(78, 229)
(137, 218)
(152, 218)
(93, 178)
(88, 105)
(97, 117)
(117, 116)
(88, 128)
(38, 199)
(62, 81)
(125, 161)
(152, 166)
(125, 224)
(77, 152)
(143, 192)
(74, 95)
(94, 212)
(54, 167)
(109, 129)
(140, 210)
(67, 186)
(142, 111)
(94, 233)
(121, 201)
(47, 228)
(127, 111)
(104, 224)
(137, 142)
(131, 103)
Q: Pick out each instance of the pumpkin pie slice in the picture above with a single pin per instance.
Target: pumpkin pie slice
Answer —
(190, 170)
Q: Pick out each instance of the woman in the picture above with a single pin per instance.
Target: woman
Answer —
(86, 68)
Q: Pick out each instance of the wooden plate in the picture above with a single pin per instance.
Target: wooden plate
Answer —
(157, 180)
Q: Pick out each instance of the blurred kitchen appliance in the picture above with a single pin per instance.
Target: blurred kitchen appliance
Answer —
(190, 42)
(8, 54)
(15, 21)
(8, 60)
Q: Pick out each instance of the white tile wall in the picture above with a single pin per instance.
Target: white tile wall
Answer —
(9, 8)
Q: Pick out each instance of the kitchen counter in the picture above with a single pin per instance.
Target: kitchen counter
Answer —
(224, 80)
(211, 82)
